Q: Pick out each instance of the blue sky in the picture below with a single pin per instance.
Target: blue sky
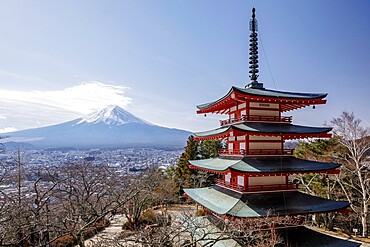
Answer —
(160, 58)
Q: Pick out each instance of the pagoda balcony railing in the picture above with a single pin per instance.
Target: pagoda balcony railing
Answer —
(223, 183)
(256, 118)
(256, 188)
(252, 152)
(272, 187)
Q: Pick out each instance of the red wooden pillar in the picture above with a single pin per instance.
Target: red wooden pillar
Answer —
(246, 144)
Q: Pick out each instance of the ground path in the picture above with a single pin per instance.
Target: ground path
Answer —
(111, 232)
(114, 230)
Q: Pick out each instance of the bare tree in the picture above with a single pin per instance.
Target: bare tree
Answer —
(86, 195)
(185, 229)
(355, 178)
(15, 216)
(149, 190)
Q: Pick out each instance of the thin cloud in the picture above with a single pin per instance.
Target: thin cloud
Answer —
(83, 98)
(18, 76)
(31, 109)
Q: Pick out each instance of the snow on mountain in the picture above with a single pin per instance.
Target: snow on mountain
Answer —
(111, 115)
(109, 127)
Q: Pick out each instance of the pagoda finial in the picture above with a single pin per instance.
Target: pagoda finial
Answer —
(253, 53)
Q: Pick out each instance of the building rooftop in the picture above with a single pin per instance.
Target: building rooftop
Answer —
(267, 93)
(263, 165)
(265, 128)
(226, 202)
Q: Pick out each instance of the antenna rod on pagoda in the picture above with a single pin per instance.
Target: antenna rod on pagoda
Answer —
(253, 52)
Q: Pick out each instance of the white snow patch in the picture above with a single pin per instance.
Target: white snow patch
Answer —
(7, 129)
(111, 115)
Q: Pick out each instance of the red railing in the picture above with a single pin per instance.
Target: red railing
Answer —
(223, 183)
(272, 187)
(255, 188)
(232, 152)
(257, 119)
(242, 152)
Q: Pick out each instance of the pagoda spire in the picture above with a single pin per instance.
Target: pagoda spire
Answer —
(253, 53)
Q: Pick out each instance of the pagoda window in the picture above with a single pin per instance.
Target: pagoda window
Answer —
(233, 109)
(267, 180)
(242, 106)
(264, 145)
(231, 146)
(228, 177)
(243, 113)
(257, 112)
(240, 138)
(259, 144)
(264, 105)
(264, 109)
(242, 146)
(265, 138)
(241, 181)
(232, 115)
(232, 138)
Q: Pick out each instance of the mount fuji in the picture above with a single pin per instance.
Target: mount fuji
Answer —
(108, 128)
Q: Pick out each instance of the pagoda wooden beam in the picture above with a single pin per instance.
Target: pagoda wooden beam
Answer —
(264, 108)
(272, 174)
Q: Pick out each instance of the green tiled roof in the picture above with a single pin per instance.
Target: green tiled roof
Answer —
(227, 202)
(267, 93)
(263, 165)
(271, 128)
(280, 94)
(213, 132)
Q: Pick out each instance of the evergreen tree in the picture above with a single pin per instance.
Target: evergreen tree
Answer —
(194, 150)
(209, 149)
(319, 150)
(182, 171)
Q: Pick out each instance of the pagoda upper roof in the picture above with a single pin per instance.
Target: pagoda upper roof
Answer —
(296, 100)
(227, 202)
(288, 164)
(264, 128)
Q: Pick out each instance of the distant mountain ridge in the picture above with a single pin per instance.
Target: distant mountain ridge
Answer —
(109, 127)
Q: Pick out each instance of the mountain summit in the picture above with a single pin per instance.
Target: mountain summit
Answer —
(110, 127)
(111, 115)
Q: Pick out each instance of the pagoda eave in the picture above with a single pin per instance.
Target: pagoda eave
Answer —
(285, 136)
(263, 174)
(253, 205)
(288, 101)
(208, 170)
(263, 165)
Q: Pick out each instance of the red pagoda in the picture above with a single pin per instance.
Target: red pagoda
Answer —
(254, 165)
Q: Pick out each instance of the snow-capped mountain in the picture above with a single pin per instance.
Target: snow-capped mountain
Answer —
(109, 127)
(111, 115)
